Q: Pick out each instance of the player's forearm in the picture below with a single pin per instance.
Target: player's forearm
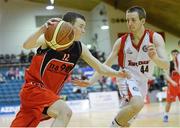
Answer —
(108, 71)
(31, 42)
(97, 75)
(94, 78)
(164, 64)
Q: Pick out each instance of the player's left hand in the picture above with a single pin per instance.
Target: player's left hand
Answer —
(81, 83)
(125, 74)
(152, 53)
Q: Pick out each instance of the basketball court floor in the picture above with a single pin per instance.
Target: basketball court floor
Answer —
(150, 116)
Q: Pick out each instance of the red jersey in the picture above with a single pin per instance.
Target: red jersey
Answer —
(50, 68)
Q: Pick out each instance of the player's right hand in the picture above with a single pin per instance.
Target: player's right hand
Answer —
(50, 22)
(81, 83)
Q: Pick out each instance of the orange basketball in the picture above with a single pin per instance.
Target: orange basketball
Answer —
(59, 35)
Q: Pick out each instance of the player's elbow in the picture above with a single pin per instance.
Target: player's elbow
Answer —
(166, 66)
(25, 46)
(101, 70)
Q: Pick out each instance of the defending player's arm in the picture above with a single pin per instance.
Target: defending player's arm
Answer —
(112, 57)
(37, 38)
(157, 53)
(100, 68)
(109, 61)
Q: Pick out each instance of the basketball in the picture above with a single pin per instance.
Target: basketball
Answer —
(59, 35)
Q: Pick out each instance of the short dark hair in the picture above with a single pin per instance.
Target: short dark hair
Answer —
(72, 16)
(173, 51)
(141, 12)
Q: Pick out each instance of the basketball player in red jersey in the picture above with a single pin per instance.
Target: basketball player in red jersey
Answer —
(136, 52)
(173, 78)
(178, 59)
(47, 73)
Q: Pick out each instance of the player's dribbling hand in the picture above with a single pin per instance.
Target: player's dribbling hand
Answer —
(50, 22)
(152, 51)
(81, 83)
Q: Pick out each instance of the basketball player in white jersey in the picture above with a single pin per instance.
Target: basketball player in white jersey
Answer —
(135, 52)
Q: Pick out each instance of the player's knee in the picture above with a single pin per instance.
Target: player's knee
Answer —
(137, 103)
(67, 112)
(59, 108)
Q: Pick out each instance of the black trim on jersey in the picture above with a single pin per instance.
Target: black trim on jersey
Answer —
(74, 50)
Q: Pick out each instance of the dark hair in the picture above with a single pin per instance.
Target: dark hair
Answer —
(72, 16)
(175, 50)
(141, 12)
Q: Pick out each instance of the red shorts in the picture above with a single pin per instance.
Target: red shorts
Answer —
(33, 100)
(173, 91)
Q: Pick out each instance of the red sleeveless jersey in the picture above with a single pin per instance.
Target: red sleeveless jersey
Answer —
(50, 68)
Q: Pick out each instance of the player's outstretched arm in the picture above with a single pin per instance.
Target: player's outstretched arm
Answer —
(112, 58)
(101, 69)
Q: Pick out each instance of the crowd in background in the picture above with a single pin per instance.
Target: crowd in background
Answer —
(15, 59)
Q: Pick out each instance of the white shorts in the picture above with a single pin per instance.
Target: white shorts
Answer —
(134, 87)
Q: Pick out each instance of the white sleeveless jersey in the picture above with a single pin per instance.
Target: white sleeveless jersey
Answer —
(137, 61)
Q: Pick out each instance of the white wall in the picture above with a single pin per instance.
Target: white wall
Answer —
(18, 22)
(103, 41)
(115, 28)
(1, 12)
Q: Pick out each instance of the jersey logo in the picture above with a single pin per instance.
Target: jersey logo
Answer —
(57, 66)
(128, 51)
(145, 48)
(135, 89)
(138, 63)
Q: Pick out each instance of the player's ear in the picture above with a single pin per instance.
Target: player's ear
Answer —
(143, 20)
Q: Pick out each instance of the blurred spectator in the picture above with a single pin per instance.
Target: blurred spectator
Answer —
(7, 59)
(81, 90)
(159, 83)
(102, 83)
(102, 57)
(21, 73)
(2, 79)
(14, 59)
(30, 55)
(2, 59)
(11, 74)
(94, 53)
(22, 57)
(17, 74)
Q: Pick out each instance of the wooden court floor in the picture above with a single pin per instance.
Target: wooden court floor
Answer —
(150, 116)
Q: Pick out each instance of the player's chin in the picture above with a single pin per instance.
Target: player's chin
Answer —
(77, 38)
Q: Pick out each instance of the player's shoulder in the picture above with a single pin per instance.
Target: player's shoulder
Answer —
(158, 39)
(121, 39)
(155, 37)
